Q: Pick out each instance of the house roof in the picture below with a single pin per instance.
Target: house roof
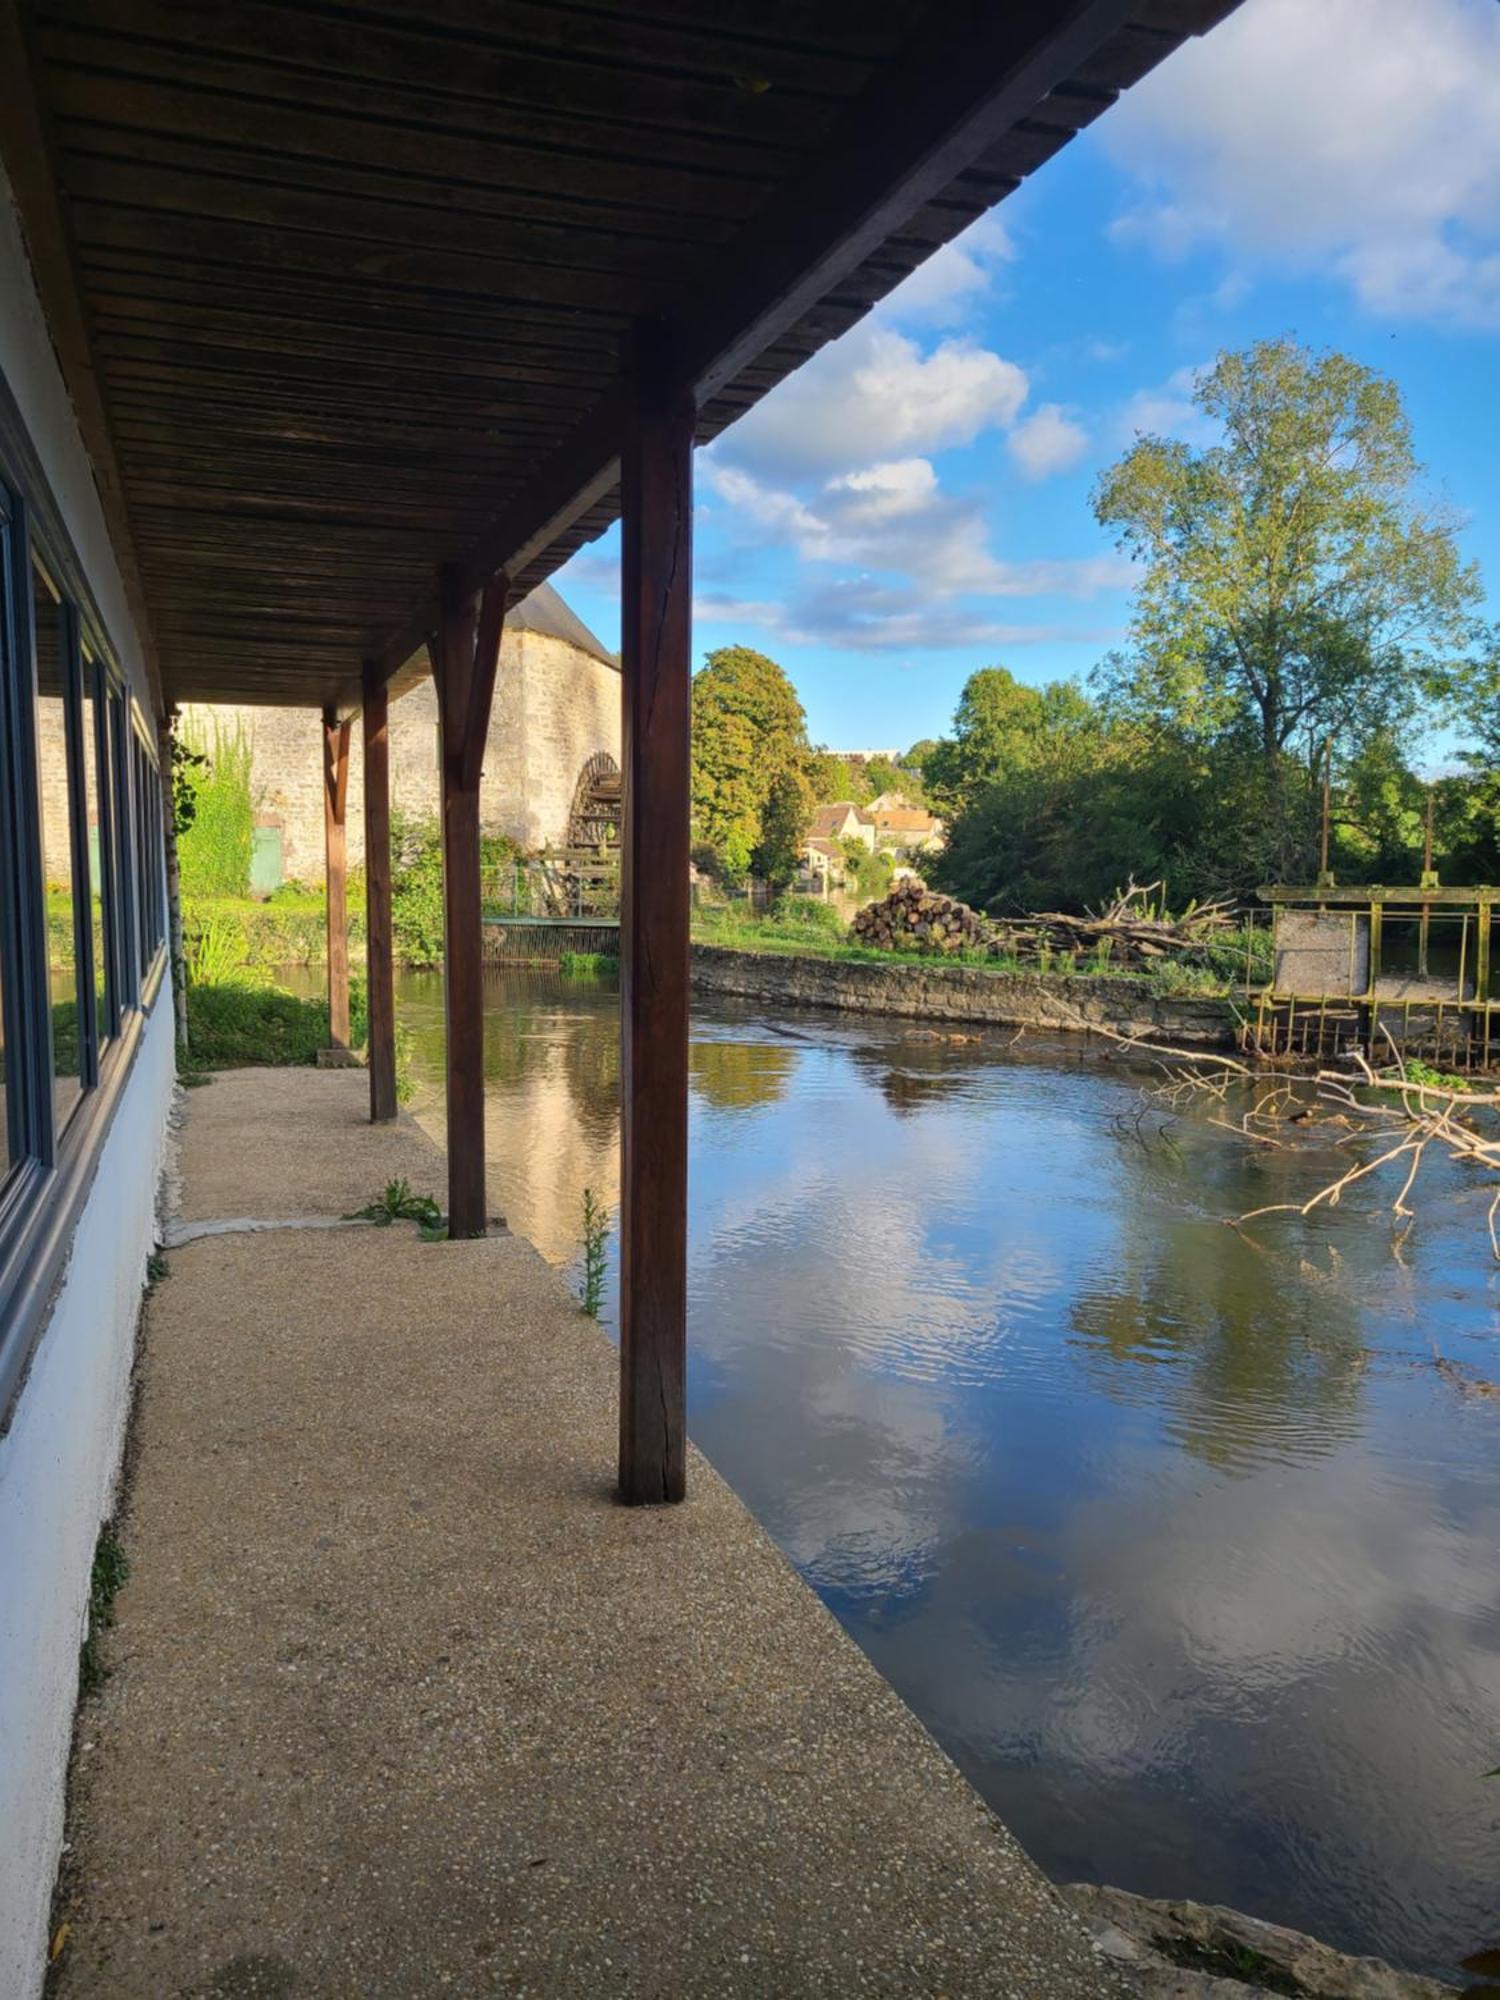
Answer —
(546, 612)
(345, 294)
(829, 847)
(829, 818)
(906, 819)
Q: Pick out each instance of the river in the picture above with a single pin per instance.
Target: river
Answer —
(1183, 1547)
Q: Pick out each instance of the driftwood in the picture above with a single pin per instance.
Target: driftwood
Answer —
(1132, 932)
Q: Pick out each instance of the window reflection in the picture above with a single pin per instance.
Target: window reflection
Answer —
(93, 791)
(57, 848)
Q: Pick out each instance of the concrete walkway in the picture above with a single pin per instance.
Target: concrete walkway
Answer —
(402, 1703)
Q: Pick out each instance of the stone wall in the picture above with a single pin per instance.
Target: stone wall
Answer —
(922, 990)
(555, 707)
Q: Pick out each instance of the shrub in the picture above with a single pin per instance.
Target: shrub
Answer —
(812, 912)
(286, 930)
(213, 855)
(416, 890)
(236, 1025)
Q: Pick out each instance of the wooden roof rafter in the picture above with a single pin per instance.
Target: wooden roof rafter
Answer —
(351, 284)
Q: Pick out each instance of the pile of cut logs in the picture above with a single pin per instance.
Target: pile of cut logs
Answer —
(916, 916)
(1132, 931)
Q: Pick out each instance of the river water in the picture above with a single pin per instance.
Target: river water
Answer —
(1182, 1545)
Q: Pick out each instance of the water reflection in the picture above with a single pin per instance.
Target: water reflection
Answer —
(1179, 1544)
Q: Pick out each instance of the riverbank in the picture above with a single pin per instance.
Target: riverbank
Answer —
(414, 1706)
(930, 990)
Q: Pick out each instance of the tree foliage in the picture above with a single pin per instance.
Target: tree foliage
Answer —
(784, 821)
(1297, 589)
(748, 726)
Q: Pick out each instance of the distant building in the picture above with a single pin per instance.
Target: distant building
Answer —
(907, 829)
(842, 821)
(825, 866)
(551, 765)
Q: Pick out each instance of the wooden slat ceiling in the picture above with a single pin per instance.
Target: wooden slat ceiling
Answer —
(351, 275)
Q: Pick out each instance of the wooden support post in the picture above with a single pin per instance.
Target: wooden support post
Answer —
(380, 981)
(656, 641)
(335, 848)
(465, 655)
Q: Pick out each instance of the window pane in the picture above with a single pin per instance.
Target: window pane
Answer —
(57, 848)
(5, 1152)
(97, 833)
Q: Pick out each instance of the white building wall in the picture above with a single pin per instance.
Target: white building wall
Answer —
(59, 1463)
(60, 1458)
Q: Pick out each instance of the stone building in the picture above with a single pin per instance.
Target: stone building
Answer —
(554, 736)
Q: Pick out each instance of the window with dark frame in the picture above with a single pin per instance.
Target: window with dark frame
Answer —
(82, 893)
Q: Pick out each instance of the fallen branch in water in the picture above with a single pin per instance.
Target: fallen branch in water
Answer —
(1425, 1115)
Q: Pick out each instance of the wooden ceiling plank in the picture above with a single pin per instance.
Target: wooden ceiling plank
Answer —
(26, 152)
(528, 79)
(104, 112)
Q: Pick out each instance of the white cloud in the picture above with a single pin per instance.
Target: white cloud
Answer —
(895, 520)
(946, 288)
(875, 395)
(1167, 411)
(1047, 441)
(858, 615)
(1359, 136)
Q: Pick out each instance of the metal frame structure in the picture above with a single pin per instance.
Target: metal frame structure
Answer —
(1453, 1020)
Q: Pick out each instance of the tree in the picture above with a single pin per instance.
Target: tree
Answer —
(1295, 582)
(916, 758)
(834, 779)
(881, 775)
(748, 725)
(784, 820)
(1000, 729)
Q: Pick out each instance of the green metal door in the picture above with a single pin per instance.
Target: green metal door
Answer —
(265, 861)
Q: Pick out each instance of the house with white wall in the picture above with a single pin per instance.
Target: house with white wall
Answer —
(86, 1011)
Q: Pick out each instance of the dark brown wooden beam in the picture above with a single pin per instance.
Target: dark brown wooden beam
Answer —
(465, 656)
(979, 68)
(380, 980)
(656, 674)
(335, 846)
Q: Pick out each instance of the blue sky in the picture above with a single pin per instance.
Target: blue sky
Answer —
(915, 502)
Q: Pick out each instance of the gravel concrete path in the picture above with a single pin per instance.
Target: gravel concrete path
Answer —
(401, 1701)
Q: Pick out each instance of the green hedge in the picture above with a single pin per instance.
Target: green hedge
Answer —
(236, 1024)
(225, 935)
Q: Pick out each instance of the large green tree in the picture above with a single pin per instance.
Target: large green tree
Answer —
(1001, 729)
(1297, 588)
(748, 726)
(784, 821)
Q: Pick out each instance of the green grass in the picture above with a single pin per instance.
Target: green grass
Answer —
(808, 929)
(589, 965)
(239, 1024)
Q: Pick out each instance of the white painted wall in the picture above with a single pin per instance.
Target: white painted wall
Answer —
(30, 368)
(60, 1459)
(58, 1466)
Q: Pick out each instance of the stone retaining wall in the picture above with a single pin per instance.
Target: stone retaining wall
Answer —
(921, 989)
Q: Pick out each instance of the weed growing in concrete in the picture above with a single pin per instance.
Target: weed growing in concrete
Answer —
(397, 1202)
(157, 1268)
(595, 1236)
(111, 1567)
